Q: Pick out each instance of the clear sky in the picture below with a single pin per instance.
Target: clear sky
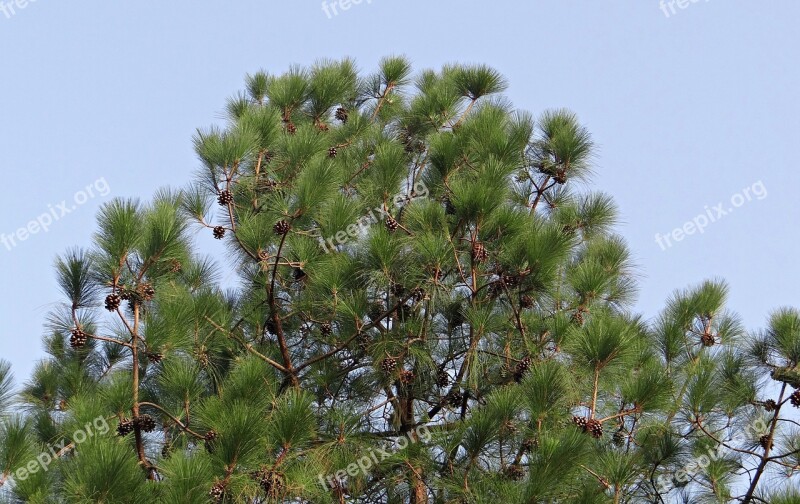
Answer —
(689, 107)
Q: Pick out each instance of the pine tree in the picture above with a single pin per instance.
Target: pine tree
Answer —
(428, 309)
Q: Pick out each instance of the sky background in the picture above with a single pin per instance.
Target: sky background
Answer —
(687, 111)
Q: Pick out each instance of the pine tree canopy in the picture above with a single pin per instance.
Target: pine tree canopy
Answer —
(420, 299)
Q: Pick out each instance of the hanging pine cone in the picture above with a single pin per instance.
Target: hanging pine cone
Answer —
(145, 423)
(765, 442)
(580, 421)
(175, 266)
(124, 427)
(406, 377)
(332, 152)
(560, 176)
(155, 357)
(455, 398)
(449, 209)
(219, 232)
(525, 301)
(217, 492)
(391, 223)
(322, 127)
(326, 328)
(271, 482)
(291, 128)
(479, 253)
(364, 341)
(442, 378)
(147, 291)
(341, 114)
(522, 367)
(795, 398)
(113, 301)
(770, 405)
(281, 227)
(418, 294)
(376, 310)
(388, 365)
(595, 428)
(209, 439)
(397, 289)
(510, 280)
(530, 444)
(515, 472)
(707, 340)
(619, 438)
(225, 198)
(77, 338)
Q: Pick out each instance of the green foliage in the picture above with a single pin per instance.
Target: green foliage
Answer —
(416, 300)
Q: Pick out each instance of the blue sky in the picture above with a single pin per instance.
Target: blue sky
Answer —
(688, 110)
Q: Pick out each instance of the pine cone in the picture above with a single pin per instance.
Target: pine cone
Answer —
(341, 114)
(145, 423)
(225, 198)
(219, 232)
(281, 227)
(561, 176)
(442, 378)
(326, 328)
(515, 472)
(707, 340)
(455, 399)
(479, 253)
(525, 301)
(530, 444)
(580, 421)
(619, 438)
(406, 377)
(291, 128)
(124, 427)
(332, 152)
(595, 428)
(795, 398)
(522, 367)
(418, 294)
(112, 302)
(449, 209)
(397, 289)
(77, 339)
(388, 365)
(770, 405)
(217, 492)
(391, 223)
(271, 482)
(155, 357)
(765, 442)
(147, 292)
